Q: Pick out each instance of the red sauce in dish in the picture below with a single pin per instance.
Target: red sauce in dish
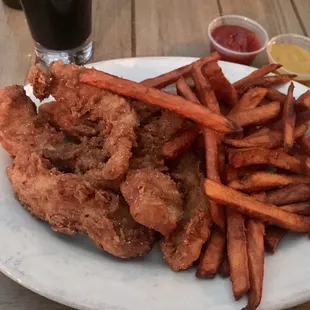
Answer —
(237, 39)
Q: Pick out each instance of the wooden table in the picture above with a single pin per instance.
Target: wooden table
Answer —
(129, 28)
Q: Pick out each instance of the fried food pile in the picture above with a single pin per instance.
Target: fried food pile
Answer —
(217, 173)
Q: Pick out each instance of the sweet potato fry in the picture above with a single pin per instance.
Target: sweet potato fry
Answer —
(255, 244)
(251, 207)
(153, 96)
(185, 91)
(168, 78)
(256, 116)
(208, 99)
(261, 196)
(304, 142)
(307, 166)
(223, 89)
(211, 258)
(302, 117)
(259, 132)
(289, 118)
(301, 208)
(224, 271)
(212, 172)
(237, 253)
(275, 234)
(238, 173)
(205, 92)
(225, 109)
(249, 100)
(222, 161)
(274, 95)
(290, 194)
(272, 139)
(303, 101)
(261, 181)
(269, 141)
(266, 82)
(180, 143)
(273, 237)
(258, 73)
(256, 156)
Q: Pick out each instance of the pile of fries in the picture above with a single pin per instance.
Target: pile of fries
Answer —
(257, 160)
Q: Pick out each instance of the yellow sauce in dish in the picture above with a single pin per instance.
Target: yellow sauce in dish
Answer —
(293, 57)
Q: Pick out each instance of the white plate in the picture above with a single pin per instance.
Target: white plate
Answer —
(74, 272)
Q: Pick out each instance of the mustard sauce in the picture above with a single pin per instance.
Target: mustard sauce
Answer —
(293, 57)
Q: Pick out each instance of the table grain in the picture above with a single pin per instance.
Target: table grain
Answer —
(129, 28)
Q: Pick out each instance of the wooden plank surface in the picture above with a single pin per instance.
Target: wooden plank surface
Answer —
(124, 28)
(174, 27)
(302, 10)
(16, 49)
(111, 29)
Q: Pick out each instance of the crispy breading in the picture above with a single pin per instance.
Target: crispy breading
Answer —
(182, 248)
(154, 199)
(70, 205)
(20, 128)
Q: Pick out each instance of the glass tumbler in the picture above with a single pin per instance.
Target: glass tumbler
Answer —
(61, 29)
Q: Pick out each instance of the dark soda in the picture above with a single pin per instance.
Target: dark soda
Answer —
(59, 24)
(14, 4)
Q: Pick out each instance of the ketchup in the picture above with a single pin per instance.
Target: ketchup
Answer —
(237, 39)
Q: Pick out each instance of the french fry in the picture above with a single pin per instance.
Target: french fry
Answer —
(225, 109)
(275, 234)
(237, 173)
(265, 138)
(251, 207)
(224, 271)
(168, 78)
(274, 95)
(208, 99)
(258, 73)
(237, 253)
(249, 100)
(212, 171)
(223, 89)
(301, 208)
(255, 246)
(211, 258)
(304, 142)
(273, 237)
(256, 156)
(261, 181)
(185, 91)
(269, 141)
(222, 161)
(156, 97)
(289, 118)
(266, 81)
(259, 132)
(306, 166)
(290, 194)
(261, 196)
(204, 90)
(303, 117)
(180, 143)
(303, 101)
(256, 116)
